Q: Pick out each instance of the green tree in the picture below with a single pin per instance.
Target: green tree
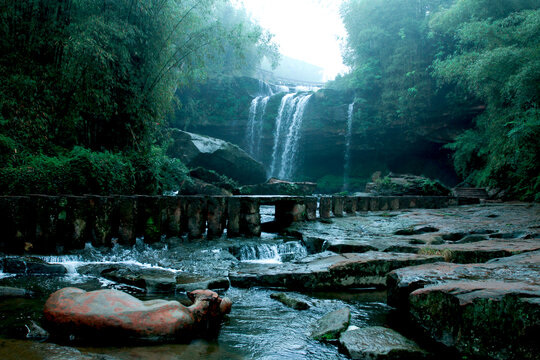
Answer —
(497, 59)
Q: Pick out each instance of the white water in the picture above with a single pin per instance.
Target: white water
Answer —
(272, 253)
(286, 102)
(293, 136)
(257, 110)
(347, 162)
(287, 134)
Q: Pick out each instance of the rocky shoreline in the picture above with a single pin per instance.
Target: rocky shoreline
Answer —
(467, 278)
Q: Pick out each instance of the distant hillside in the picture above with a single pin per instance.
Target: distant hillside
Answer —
(290, 68)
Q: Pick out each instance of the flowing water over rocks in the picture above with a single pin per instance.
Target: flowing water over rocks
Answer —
(262, 327)
(287, 134)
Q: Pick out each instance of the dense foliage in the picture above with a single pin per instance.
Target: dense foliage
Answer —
(85, 86)
(414, 59)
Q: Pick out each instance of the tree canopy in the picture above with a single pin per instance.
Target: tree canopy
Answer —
(102, 75)
(411, 59)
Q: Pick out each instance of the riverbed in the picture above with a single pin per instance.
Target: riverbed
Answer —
(258, 327)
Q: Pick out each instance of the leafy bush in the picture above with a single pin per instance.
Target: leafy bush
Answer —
(82, 171)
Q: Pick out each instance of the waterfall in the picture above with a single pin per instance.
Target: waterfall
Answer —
(257, 110)
(272, 253)
(348, 136)
(287, 134)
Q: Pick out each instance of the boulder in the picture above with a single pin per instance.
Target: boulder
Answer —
(280, 187)
(116, 315)
(494, 319)
(518, 268)
(289, 301)
(209, 284)
(487, 310)
(328, 272)
(406, 184)
(30, 266)
(331, 325)
(217, 155)
(152, 280)
(379, 343)
(12, 292)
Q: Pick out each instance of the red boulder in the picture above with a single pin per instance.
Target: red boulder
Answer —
(72, 311)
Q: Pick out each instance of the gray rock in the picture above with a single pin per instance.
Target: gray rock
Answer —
(31, 266)
(152, 280)
(379, 343)
(488, 310)
(331, 325)
(289, 301)
(218, 155)
(210, 284)
(343, 271)
(36, 332)
(11, 292)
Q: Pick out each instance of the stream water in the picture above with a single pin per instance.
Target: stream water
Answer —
(257, 328)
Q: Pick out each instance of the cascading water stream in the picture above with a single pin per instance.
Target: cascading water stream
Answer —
(348, 137)
(287, 102)
(293, 136)
(257, 110)
(287, 134)
(272, 253)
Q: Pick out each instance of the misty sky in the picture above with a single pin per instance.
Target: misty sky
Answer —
(307, 30)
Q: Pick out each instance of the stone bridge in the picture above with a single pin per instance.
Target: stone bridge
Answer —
(44, 224)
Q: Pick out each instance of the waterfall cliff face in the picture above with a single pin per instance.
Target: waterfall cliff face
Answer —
(287, 134)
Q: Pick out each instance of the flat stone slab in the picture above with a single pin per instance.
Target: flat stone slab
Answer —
(523, 268)
(331, 325)
(379, 343)
(482, 251)
(487, 310)
(330, 272)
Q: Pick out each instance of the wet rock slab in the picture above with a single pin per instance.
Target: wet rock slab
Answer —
(379, 343)
(490, 310)
(482, 251)
(329, 272)
(331, 325)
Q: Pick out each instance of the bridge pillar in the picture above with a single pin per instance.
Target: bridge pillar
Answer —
(217, 216)
(374, 203)
(17, 222)
(289, 211)
(337, 206)
(100, 208)
(233, 217)
(78, 231)
(149, 218)
(363, 203)
(196, 213)
(325, 207)
(250, 217)
(350, 205)
(311, 208)
(173, 213)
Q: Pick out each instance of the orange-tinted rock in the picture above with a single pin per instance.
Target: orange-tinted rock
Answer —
(72, 311)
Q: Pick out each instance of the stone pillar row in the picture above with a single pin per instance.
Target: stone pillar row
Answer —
(54, 224)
